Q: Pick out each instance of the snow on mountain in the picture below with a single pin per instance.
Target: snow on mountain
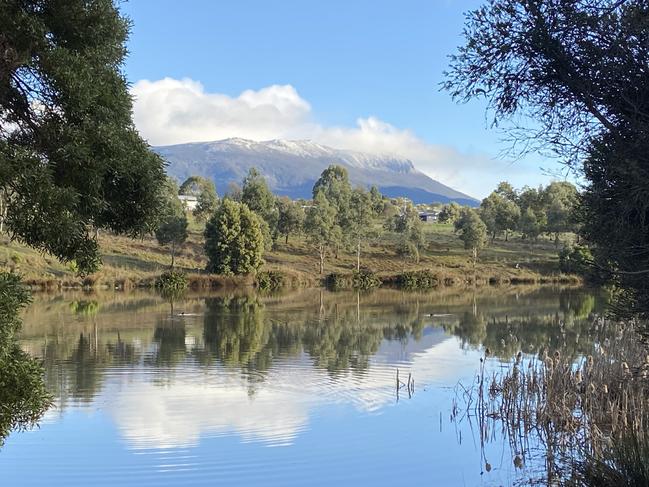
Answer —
(291, 167)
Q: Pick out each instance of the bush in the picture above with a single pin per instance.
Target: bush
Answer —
(171, 281)
(577, 260)
(417, 280)
(363, 279)
(270, 280)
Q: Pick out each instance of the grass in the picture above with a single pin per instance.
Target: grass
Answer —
(131, 263)
(590, 415)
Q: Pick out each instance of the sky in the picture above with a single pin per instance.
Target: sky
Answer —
(354, 74)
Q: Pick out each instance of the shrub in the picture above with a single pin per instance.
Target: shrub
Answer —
(171, 281)
(577, 260)
(365, 279)
(417, 280)
(270, 280)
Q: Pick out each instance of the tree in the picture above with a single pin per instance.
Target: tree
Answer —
(378, 201)
(69, 153)
(499, 214)
(205, 193)
(320, 226)
(234, 192)
(473, 231)
(334, 184)
(290, 216)
(234, 243)
(531, 224)
(360, 220)
(450, 212)
(258, 197)
(577, 70)
(507, 191)
(172, 232)
(410, 227)
(71, 161)
(561, 199)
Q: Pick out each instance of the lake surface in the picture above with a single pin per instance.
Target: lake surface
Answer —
(298, 389)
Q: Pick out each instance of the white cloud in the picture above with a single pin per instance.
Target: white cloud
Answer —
(198, 403)
(171, 111)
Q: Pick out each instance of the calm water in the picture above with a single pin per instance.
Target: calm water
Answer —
(297, 389)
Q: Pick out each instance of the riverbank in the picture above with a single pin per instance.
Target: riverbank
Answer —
(132, 264)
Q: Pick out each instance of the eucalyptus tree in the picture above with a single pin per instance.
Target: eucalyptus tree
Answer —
(290, 217)
(321, 228)
(472, 231)
(361, 212)
(577, 71)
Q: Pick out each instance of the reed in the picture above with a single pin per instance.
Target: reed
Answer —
(589, 415)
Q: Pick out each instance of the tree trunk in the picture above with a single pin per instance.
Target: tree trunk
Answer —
(286, 239)
(506, 236)
(173, 255)
(475, 256)
(358, 255)
(322, 257)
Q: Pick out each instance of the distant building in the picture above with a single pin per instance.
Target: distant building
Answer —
(189, 201)
(429, 216)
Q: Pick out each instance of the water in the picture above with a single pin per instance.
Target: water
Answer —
(299, 389)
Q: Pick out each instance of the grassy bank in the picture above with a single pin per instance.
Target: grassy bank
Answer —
(136, 263)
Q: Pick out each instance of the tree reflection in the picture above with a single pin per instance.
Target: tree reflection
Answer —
(338, 333)
(23, 397)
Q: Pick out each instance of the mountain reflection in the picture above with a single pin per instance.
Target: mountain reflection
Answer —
(172, 371)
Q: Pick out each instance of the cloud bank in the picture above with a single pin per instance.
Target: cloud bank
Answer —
(171, 111)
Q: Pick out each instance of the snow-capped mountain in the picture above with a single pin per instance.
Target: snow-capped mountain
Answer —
(291, 167)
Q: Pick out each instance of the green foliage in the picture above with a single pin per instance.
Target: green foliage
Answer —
(359, 221)
(171, 281)
(320, 226)
(334, 185)
(69, 152)
(624, 462)
(576, 260)
(578, 71)
(472, 230)
(499, 214)
(234, 243)
(173, 232)
(361, 280)
(270, 280)
(450, 213)
(290, 217)
(531, 224)
(410, 228)
(259, 198)
(205, 193)
(561, 200)
(378, 201)
(417, 280)
(23, 396)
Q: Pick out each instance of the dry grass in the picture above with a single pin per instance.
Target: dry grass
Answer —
(580, 412)
(135, 263)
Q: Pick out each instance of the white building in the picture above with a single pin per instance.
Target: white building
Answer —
(189, 201)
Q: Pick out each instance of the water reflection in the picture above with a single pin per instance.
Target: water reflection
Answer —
(173, 372)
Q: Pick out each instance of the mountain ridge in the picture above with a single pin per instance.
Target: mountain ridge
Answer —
(291, 167)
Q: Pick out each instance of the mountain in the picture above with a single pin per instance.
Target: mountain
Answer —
(291, 167)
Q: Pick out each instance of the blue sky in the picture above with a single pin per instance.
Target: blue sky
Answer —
(354, 74)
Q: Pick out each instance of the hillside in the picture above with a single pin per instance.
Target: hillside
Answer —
(291, 168)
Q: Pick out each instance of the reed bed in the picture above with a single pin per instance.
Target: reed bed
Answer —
(582, 418)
